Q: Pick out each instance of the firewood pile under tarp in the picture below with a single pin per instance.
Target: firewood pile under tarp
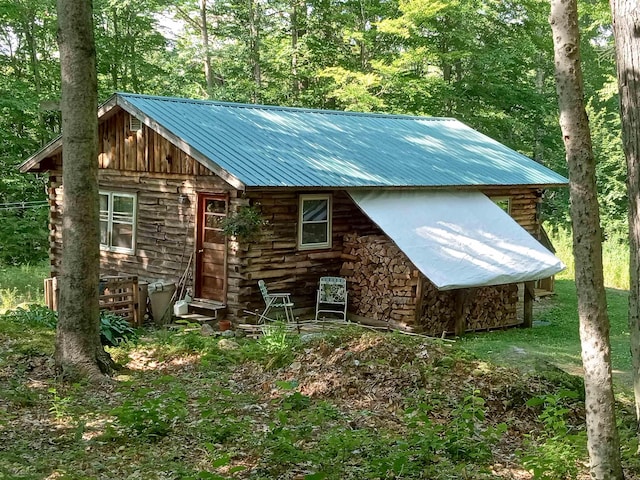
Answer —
(382, 281)
(385, 286)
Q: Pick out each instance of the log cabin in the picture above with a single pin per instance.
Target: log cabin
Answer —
(432, 223)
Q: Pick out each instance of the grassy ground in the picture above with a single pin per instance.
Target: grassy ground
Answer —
(554, 337)
(20, 285)
(348, 404)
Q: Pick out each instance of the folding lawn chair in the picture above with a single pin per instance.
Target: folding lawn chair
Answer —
(332, 296)
(275, 300)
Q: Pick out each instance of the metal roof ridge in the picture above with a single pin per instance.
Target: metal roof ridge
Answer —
(256, 106)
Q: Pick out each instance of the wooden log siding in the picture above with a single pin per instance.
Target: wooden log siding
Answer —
(524, 205)
(273, 255)
(165, 226)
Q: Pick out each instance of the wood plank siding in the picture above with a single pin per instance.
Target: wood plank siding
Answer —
(168, 184)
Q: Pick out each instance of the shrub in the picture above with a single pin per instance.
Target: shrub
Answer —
(115, 330)
(34, 315)
(556, 452)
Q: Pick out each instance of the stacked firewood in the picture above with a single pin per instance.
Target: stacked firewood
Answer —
(481, 308)
(385, 286)
(438, 310)
(381, 277)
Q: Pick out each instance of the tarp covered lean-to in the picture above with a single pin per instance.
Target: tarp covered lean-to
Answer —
(458, 239)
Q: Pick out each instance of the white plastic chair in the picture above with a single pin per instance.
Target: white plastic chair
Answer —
(332, 296)
(275, 300)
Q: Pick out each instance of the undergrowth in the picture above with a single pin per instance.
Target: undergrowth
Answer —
(195, 407)
(615, 258)
(21, 285)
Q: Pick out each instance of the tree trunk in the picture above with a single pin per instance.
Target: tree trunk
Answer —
(255, 16)
(204, 32)
(603, 443)
(626, 17)
(78, 348)
(296, 85)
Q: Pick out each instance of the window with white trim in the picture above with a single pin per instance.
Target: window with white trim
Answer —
(314, 221)
(118, 222)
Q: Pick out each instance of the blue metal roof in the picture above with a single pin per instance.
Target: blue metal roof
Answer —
(266, 146)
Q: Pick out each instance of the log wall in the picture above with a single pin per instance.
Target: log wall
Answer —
(165, 229)
(273, 255)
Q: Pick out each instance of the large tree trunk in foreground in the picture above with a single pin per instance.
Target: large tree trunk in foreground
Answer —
(78, 348)
(603, 442)
(626, 18)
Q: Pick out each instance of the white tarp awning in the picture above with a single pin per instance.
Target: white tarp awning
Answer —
(458, 239)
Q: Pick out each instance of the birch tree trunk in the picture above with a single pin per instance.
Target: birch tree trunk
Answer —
(79, 352)
(626, 18)
(603, 443)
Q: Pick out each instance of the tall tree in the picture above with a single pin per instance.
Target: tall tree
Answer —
(602, 436)
(78, 348)
(626, 19)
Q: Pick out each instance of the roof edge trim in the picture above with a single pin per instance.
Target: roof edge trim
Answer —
(35, 159)
(260, 106)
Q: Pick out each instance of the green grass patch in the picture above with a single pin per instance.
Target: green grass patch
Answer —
(22, 284)
(615, 258)
(555, 338)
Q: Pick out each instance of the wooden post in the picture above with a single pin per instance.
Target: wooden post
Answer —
(51, 293)
(419, 295)
(460, 325)
(529, 297)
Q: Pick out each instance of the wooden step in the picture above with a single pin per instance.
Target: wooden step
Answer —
(209, 308)
(196, 318)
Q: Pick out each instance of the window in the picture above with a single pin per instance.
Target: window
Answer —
(118, 222)
(314, 226)
(504, 203)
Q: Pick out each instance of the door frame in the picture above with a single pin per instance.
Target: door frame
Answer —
(199, 240)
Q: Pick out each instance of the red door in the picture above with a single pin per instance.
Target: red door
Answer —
(211, 249)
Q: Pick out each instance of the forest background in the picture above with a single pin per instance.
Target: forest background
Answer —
(488, 63)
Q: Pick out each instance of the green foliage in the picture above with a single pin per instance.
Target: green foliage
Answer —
(150, 415)
(115, 330)
(59, 405)
(296, 401)
(277, 346)
(556, 452)
(24, 236)
(244, 224)
(21, 284)
(34, 315)
(615, 257)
